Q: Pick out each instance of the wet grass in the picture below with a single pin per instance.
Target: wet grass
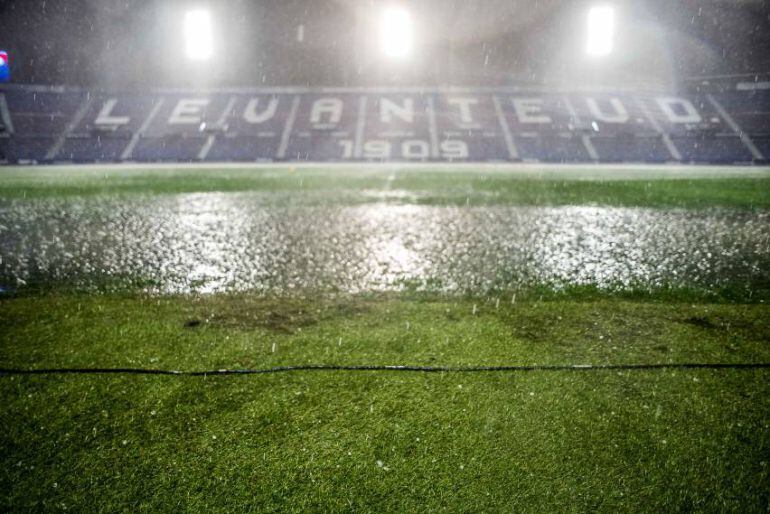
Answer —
(384, 441)
(675, 188)
(244, 331)
(647, 440)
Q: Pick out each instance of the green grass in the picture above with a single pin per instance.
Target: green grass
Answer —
(585, 441)
(536, 441)
(232, 331)
(422, 186)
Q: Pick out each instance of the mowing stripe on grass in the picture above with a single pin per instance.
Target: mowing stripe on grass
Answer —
(423, 369)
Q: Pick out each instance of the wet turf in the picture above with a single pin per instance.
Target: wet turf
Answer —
(370, 236)
(498, 269)
(630, 186)
(643, 440)
(236, 331)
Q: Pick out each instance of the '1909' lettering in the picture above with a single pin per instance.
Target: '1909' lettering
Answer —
(410, 149)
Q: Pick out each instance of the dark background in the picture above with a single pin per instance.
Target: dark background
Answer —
(138, 43)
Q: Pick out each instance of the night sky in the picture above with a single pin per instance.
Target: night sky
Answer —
(138, 43)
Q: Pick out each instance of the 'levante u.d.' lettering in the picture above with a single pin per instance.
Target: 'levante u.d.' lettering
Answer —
(464, 111)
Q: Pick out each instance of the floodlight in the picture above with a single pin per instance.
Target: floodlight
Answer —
(396, 33)
(197, 33)
(601, 30)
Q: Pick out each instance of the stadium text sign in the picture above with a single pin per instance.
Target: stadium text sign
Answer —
(391, 126)
(380, 125)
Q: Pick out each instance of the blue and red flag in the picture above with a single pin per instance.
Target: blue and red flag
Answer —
(5, 67)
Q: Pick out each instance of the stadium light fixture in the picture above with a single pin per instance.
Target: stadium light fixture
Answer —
(197, 33)
(396, 33)
(601, 30)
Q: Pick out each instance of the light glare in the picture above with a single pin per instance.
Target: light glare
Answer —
(396, 33)
(197, 33)
(601, 30)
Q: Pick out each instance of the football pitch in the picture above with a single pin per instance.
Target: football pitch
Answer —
(449, 311)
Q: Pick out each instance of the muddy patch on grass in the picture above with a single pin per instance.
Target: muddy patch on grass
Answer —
(286, 315)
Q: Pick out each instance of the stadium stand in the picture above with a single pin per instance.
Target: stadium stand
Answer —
(48, 124)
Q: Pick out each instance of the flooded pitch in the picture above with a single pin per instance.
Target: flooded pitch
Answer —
(211, 242)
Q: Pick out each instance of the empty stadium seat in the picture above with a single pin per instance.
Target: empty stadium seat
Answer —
(77, 127)
(169, 148)
(631, 148)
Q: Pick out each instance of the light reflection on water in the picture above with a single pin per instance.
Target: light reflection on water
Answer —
(212, 242)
